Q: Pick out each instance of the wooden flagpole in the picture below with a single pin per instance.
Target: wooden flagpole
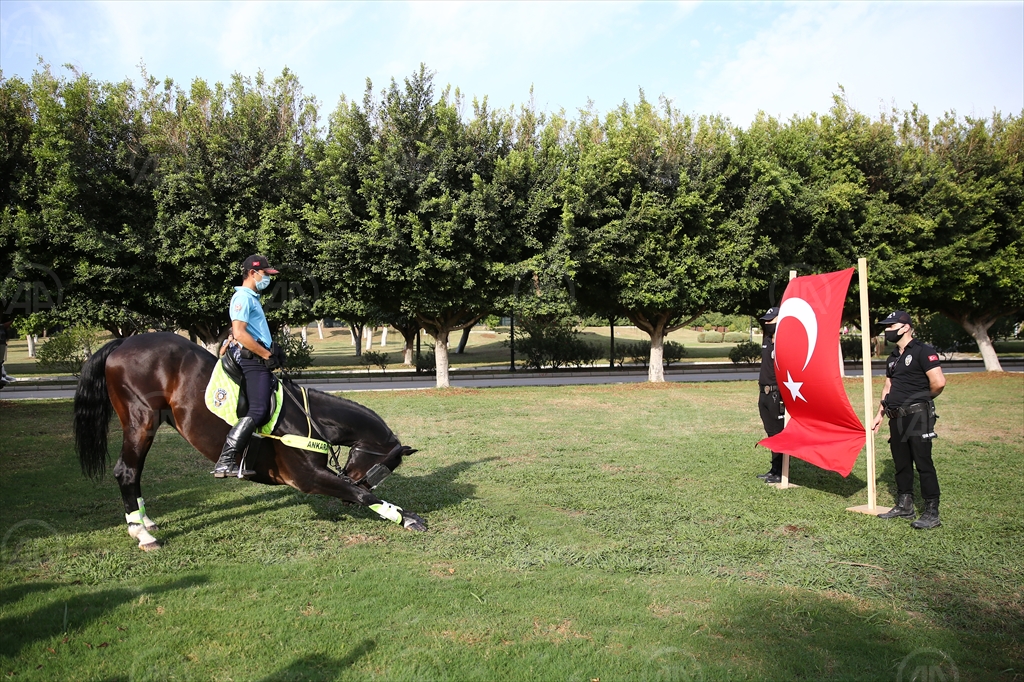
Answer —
(785, 422)
(869, 398)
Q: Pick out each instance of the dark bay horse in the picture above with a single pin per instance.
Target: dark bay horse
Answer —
(158, 378)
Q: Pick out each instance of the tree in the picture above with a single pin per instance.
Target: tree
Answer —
(651, 213)
(84, 212)
(960, 249)
(423, 211)
(230, 182)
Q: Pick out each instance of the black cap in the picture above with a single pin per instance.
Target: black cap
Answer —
(257, 262)
(896, 317)
(772, 313)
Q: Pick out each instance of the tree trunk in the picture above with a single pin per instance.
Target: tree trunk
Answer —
(368, 335)
(31, 338)
(320, 329)
(441, 358)
(407, 357)
(384, 335)
(656, 367)
(462, 342)
(303, 332)
(356, 330)
(979, 330)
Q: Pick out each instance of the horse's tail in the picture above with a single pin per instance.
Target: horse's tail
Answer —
(92, 412)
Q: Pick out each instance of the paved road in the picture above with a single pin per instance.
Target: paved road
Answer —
(397, 382)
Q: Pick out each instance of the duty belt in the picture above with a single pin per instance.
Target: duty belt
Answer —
(769, 388)
(893, 412)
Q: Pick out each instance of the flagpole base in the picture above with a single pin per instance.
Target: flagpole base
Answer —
(868, 509)
(784, 486)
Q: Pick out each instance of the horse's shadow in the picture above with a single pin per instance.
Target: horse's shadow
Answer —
(420, 494)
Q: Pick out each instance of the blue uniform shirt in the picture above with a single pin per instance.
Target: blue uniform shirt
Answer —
(245, 306)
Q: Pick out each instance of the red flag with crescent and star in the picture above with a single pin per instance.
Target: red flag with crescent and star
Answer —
(823, 428)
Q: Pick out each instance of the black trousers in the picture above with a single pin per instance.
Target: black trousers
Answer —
(258, 383)
(772, 412)
(909, 449)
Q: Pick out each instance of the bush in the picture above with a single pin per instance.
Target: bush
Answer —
(554, 345)
(851, 346)
(673, 352)
(946, 335)
(298, 353)
(427, 362)
(735, 337)
(746, 352)
(68, 350)
(639, 352)
(710, 337)
(372, 357)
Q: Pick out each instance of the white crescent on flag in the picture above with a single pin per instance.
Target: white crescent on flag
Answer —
(800, 310)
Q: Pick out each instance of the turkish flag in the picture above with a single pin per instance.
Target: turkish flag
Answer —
(823, 428)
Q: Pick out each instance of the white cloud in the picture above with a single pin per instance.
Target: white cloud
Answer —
(940, 56)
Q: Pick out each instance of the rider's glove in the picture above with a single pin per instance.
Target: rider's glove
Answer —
(272, 362)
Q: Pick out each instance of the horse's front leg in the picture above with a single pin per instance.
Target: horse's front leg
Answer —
(325, 482)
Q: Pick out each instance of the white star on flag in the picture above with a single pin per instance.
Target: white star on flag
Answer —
(794, 387)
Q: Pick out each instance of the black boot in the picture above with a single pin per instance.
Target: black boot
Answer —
(234, 446)
(930, 515)
(904, 508)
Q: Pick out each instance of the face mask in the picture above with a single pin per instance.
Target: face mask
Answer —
(263, 283)
(893, 336)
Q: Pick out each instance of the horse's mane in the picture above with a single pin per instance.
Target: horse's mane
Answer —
(343, 410)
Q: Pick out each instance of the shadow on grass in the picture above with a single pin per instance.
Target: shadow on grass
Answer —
(17, 632)
(810, 476)
(437, 490)
(320, 667)
(420, 494)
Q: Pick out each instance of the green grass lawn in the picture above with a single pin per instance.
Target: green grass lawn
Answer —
(576, 533)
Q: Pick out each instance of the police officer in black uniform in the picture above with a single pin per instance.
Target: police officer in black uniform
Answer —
(769, 400)
(913, 378)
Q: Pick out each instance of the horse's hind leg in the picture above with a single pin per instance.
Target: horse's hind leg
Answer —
(139, 429)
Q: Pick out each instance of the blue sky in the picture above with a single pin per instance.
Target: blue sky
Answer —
(726, 57)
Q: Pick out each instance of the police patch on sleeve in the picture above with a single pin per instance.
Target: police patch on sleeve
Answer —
(933, 358)
(238, 306)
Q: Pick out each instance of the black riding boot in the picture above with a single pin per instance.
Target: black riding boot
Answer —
(930, 516)
(904, 508)
(234, 445)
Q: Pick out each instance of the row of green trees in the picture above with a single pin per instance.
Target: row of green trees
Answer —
(420, 209)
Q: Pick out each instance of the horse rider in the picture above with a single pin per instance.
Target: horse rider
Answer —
(254, 350)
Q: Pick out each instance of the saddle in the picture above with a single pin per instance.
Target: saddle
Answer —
(235, 373)
(226, 398)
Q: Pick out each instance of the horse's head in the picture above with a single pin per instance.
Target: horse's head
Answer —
(369, 463)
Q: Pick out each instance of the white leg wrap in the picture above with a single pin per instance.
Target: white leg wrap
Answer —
(388, 511)
(137, 531)
(149, 523)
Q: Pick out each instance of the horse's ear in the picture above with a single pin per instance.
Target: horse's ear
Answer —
(406, 450)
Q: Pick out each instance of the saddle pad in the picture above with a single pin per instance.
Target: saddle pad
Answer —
(222, 399)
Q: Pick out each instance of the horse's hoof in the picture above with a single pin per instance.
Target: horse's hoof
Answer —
(150, 546)
(413, 522)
